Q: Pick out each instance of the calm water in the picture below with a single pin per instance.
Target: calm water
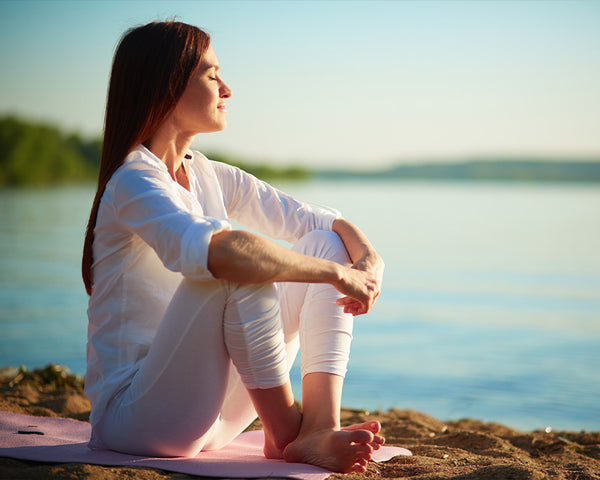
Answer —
(490, 309)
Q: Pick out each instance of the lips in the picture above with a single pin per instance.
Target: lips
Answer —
(222, 107)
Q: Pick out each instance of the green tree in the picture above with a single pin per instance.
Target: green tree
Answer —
(40, 154)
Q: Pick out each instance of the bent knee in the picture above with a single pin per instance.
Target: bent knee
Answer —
(323, 244)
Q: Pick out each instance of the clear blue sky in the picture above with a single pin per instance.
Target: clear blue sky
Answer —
(351, 83)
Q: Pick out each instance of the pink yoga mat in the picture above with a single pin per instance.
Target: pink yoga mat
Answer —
(62, 440)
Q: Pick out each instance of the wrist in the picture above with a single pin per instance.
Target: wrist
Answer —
(337, 273)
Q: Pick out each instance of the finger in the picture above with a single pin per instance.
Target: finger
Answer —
(345, 301)
(352, 303)
(356, 309)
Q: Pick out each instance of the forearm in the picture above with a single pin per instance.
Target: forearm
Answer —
(364, 258)
(244, 257)
(358, 246)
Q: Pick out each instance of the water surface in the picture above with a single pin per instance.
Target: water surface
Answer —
(490, 308)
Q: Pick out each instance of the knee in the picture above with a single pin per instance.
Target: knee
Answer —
(323, 244)
(324, 237)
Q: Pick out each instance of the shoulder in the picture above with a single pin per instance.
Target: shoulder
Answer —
(140, 170)
(223, 172)
(201, 161)
(142, 159)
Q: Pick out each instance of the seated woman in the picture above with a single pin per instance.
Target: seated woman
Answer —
(194, 326)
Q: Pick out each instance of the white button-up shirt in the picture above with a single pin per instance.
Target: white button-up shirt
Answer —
(150, 233)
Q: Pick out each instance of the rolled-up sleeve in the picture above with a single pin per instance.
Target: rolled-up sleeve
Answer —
(179, 234)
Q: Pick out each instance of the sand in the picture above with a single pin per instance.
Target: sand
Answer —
(461, 450)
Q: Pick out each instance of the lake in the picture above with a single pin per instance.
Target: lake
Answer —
(490, 307)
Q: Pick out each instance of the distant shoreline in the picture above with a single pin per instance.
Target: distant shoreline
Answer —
(481, 170)
(39, 154)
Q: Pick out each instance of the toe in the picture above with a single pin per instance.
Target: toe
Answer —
(361, 436)
(366, 456)
(377, 442)
(373, 426)
(364, 450)
(359, 468)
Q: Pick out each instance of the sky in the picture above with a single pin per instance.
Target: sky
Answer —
(338, 83)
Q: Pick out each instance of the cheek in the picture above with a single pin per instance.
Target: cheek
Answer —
(200, 98)
(191, 104)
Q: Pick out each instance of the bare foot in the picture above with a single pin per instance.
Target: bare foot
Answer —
(274, 450)
(372, 426)
(270, 448)
(344, 451)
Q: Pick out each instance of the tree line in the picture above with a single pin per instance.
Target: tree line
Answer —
(40, 154)
(37, 153)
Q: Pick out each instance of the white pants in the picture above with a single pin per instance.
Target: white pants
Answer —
(216, 340)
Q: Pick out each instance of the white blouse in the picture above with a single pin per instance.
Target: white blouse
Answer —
(150, 233)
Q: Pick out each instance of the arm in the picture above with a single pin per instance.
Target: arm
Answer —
(266, 209)
(146, 201)
(244, 257)
(364, 258)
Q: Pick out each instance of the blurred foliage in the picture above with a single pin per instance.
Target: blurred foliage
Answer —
(41, 154)
(264, 172)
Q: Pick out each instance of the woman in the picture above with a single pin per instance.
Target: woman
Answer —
(193, 326)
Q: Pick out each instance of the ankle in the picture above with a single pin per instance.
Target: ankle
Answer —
(308, 428)
(315, 420)
(321, 396)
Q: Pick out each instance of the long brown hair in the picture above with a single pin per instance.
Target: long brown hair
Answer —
(150, 71)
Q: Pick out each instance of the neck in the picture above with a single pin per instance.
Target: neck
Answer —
(172, 153)
(170, 147)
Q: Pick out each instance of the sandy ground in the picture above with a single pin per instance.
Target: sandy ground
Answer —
(461, 450)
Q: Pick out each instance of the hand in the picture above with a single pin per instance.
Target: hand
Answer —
(365, 259)
(372, 264)
(360, 289)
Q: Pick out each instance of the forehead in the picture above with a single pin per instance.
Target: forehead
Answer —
(209, 59)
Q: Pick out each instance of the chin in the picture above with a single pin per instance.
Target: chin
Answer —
(214, 128)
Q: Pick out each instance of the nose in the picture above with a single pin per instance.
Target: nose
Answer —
(224, 90)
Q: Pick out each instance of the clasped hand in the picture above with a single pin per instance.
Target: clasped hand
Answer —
(361, 285)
